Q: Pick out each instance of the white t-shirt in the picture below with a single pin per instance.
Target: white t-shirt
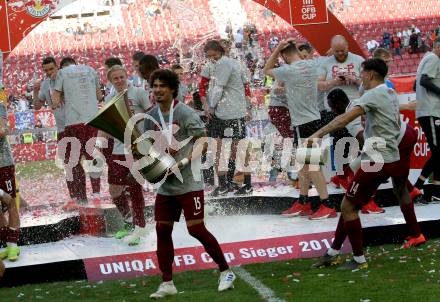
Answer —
(355, 126)
(301, 83)
(228, 75)
(79, 84)
(428, 103)
(381, 106)
(45, 94)
(332, 69)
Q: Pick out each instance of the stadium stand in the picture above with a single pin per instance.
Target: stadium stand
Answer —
(188, 22)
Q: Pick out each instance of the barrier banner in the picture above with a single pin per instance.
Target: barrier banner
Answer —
(306, 12)
(195, 258)
(405, 88)
(44, 119)
(24, 120)
(34, 152)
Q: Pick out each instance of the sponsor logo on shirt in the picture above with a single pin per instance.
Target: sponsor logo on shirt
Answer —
(343, 70)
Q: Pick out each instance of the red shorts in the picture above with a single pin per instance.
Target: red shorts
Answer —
(280, 118)
(7, 180)
(406, 147)
(117, 173)
(364, 184)
(169, 208)
(83, 133)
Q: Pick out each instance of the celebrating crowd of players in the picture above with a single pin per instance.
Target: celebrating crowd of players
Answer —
(342, 95)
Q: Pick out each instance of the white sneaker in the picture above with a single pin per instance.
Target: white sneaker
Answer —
(226, 280)
(165, 289)
(135, 237)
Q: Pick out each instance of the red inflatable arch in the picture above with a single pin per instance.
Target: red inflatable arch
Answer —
(310, 17)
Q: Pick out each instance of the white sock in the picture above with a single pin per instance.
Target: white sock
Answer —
(11, 244)
(332, 252)
(359, 259)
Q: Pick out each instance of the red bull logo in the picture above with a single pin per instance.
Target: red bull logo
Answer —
(38, 8)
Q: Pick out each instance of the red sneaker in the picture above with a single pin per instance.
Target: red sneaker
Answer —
(307, 210)
(323, 213)
(335, 181)
(345, 182)
(294, 210)
(96, 201)
(372, 208)
(414, 241)
(70, 206)
(415, 193)
(340, 181)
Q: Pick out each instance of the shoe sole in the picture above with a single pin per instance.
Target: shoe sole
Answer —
(338, 261)
(14, 259)
(362, 267)
(291, 215)
(241, 194)
(372, 212)
(414, 245)
(161, 297)
(324, 217)
(228, 288)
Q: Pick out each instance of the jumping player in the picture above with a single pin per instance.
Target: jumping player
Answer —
(175, 195)
(301, 83)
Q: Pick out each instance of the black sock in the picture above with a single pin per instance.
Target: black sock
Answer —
(231, 170)
(327, 202)
(436, 191)
(302, 199)
(419, 183)
(222, 181)
(247, 181)
(315, 203)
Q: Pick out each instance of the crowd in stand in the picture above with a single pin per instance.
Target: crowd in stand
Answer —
(411, 40)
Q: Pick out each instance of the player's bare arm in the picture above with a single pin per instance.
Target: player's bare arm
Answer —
(410, 106)
(273, 59)
(37, 103)
(326, 85)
